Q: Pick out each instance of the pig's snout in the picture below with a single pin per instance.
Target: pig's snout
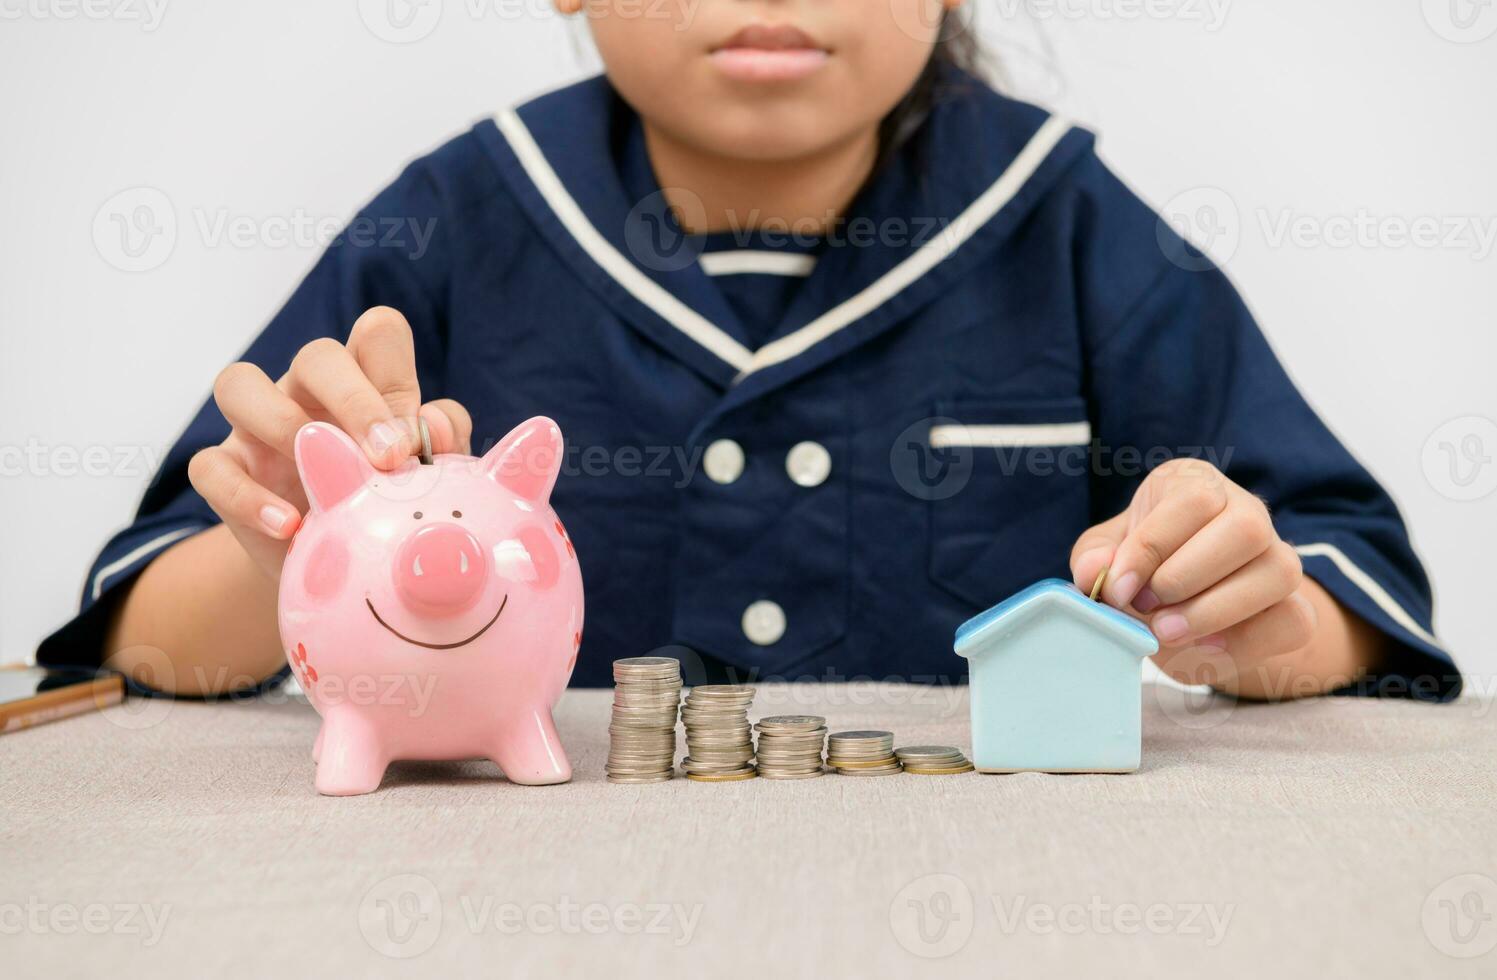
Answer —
(440, 568)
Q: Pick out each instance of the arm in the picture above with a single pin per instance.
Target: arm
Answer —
(1343, 650)
(1272, 565)
(201, 619)
(1198, 558)
(183, 600)
(207, 601)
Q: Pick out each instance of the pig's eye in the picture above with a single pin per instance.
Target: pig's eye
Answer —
(458, 514)
(417, 515)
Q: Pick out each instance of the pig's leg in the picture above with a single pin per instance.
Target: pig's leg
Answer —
(317, 745)
(351, 760)
(529, 751)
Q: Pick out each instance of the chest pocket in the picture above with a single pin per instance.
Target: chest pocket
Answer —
(1007, 492)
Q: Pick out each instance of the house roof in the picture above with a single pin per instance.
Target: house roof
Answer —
(1012, 615)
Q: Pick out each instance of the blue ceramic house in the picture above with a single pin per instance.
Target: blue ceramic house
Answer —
(1056, 683)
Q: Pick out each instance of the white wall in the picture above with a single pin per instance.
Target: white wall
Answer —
(279, 112)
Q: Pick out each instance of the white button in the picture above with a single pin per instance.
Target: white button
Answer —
(809, 464)
(764, 623)
(723, 461)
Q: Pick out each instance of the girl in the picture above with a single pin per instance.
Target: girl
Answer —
(847, 347)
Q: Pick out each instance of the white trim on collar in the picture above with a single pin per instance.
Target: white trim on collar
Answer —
(924, 259)
(713, 337)
(748, 261)
(640, 286)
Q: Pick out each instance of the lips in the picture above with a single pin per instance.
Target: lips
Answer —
(769, 53)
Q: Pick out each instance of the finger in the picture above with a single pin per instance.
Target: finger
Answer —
(1234, 537)
(1094, 551)
(1263, 582)
(450, 425)
(1186, 505)
(381, 344)
(325, 371)
(220, 477)
(1284, 627)
(1276, 634)
(254, 405)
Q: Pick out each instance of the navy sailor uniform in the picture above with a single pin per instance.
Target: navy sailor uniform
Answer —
(816, 459)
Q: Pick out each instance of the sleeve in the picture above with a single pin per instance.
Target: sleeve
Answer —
(395, 253)
(1180, 368)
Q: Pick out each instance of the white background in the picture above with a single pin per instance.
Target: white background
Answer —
(277, 112)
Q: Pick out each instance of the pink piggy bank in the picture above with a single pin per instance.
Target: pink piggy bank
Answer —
(432, 612)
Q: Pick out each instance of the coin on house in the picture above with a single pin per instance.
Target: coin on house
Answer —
(1101, 581)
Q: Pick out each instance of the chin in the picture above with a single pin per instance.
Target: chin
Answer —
(765, 135)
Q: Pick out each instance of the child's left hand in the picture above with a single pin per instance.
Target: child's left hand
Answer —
(1197, 557)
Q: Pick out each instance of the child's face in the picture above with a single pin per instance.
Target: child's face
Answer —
(763, 79)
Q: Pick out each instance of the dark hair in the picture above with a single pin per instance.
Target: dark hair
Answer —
(957, 57)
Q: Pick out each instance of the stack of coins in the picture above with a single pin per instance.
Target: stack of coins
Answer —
(642, 734)
(719, 741)
(790, 746)
(934, 760)
(862, 754)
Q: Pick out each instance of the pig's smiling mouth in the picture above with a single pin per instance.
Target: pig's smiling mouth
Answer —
(436, 646)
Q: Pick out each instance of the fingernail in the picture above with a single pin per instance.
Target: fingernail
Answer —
(274, 519)
(1126, 588)
(1146, 601)
(1171, 628)
(383, 437)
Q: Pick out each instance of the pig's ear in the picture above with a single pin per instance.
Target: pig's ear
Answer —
(527, 460)
(330, 464)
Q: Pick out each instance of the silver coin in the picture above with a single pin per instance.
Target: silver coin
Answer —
(642, 723)
(425, 432)
(719, 738)
(929, 752)
(629, 662)
(770, 774)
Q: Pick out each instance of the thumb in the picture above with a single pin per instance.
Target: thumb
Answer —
(1095, 549)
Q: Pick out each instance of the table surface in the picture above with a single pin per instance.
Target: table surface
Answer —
(1333, 838)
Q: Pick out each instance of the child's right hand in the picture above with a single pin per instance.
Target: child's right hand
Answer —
(367, 387)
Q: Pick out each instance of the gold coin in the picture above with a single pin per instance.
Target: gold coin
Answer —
(1101, 581)
(940, 772)
(732, 777)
